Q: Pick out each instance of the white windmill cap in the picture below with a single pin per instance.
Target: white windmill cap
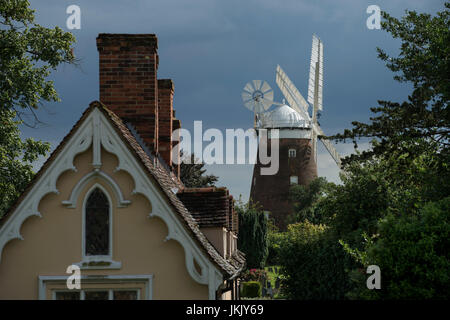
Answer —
(284, 117)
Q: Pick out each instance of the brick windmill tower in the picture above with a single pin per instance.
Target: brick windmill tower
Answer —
(297, 133)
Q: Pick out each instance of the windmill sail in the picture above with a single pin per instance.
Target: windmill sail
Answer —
(330, 148)
(315, 84)
(291, 93)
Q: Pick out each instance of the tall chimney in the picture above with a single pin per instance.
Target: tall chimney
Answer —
(165, 118)
(128, 85)
(176, 124)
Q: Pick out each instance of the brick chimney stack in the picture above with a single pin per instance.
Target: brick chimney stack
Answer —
(176, 124)
(165, 118)
(128, 85)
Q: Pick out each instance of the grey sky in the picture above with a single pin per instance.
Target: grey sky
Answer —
(211, 49)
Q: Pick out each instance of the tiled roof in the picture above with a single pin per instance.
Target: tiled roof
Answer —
(230, 268)
(210, 207)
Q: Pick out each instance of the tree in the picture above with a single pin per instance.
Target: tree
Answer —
(424, 62)
(307, 201)
(28, 54)
(252, 238)
(193, 175)
(313, 264)
(412, 253)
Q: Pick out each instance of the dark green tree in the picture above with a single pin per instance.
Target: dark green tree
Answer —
(390, 209)
(193, 175)
(28, 54)
(412, 253)
(424, 63)
(307, 201)
(313, 263)
(252, 238)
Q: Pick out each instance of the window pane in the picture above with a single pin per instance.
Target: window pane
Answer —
(67, 295)
(294, 179)
(292, 153)
(96, 295)
(97, 224)
(125, 295)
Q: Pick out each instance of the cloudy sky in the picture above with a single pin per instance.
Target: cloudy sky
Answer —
(212, 48)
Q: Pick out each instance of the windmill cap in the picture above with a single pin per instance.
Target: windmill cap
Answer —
(284, 117)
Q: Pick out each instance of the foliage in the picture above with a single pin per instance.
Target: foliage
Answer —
(307, 201)
(356, 206)
(16, 158)
(412, 253)
(424, 62)
(251, 289)
(313, 264)
(275, 240)
(28, 53)
(252, 238)
(254, 275)
(193, 175)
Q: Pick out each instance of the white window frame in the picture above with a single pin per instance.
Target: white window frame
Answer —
(147, 279)
(291, 178)
(292, 151)
(109, 290)
(96, 258)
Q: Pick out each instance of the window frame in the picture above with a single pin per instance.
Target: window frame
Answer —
(94, 258)
(46, 287)
(110, 291)
(294, 151)
(290, 180)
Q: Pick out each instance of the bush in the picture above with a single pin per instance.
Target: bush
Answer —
(254, 275)
(313, 264)
(413, 256)
(275, 240)
(251, 289)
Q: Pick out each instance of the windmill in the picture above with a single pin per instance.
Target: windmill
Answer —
(315, 89)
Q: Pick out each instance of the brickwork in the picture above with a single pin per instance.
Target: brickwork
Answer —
(165, 118)
(128, 86)
(176, 124)
(272, 191)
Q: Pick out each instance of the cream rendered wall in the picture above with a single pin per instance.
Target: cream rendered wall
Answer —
(218, 238)
(53, 242)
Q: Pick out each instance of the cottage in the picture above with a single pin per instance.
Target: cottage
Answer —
(109, 201)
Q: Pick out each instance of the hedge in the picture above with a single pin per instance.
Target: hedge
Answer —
(251, 289)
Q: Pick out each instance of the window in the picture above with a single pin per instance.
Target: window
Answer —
(98, 287)
(97, 224)
(292, 153)
(98, 294)
(294, 179)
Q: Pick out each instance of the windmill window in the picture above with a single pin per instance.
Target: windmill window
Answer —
(292, 153)
(97, 224)
(294, 179)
